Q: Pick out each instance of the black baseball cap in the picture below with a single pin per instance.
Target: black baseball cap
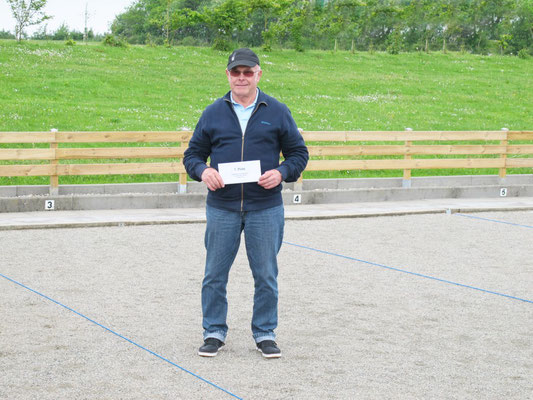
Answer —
(242, 56)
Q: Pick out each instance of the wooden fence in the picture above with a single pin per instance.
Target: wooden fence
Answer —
(493, 149)
(171, 148)
(330, 151)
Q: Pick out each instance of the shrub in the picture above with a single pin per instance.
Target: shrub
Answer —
(523, 54)
(268, 39)
(149, 40)
(191, 41)
(297, 35)
(222, 44)
(109, 40)
(70, 42)
(394, 43)
(113, 41)
(6, 35)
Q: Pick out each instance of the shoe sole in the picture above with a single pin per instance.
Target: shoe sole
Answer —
(278, 355)
(201, 354)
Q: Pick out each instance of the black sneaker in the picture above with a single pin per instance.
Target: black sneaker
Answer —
(210, 347)
(269, 349)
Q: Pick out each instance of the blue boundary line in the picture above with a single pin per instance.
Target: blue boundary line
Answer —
(493, 220)
(120, 336)
(410, 273)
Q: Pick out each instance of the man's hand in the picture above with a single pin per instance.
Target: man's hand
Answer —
(212, 179)
(270, 179)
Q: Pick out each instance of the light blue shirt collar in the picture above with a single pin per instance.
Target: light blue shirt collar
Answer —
(244, 114)
(240, 105)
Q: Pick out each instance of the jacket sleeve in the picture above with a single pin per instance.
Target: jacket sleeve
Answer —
(195, 157)
(293, 149)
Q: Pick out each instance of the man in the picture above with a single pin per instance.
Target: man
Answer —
(245, 125)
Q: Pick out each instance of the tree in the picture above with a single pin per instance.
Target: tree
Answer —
(522, 27)
(27, 13)
(186, 21)
(347, 20)
(262, 16)
(226, 19)
(62, 33)
(423, 20)
(293, 24)
(6, 35)
(467, 25)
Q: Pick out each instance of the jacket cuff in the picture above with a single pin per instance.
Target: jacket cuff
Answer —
(200, 170)
(283, 171)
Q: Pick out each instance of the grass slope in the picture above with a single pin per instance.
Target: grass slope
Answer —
(45, 85)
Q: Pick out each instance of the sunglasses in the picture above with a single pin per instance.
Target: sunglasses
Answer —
(235, 73)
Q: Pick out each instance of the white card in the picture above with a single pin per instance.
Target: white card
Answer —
(240, 172)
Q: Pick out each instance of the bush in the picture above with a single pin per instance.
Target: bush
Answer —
(268, 39)
(222, 44)
(149, 41)
(113, 41)
(523, 54)
(6, 35)
(297, 35)
(109, 40)
(62, 33)
(70, 42)
(394, 43)
(191, 41)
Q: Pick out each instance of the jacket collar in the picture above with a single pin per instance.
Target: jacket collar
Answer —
(261, 98)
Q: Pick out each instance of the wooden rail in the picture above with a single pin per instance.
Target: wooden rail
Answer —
(329, 150)
(171, 147)
(428, 146)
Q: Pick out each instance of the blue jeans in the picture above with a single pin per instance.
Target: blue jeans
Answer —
(263, 234)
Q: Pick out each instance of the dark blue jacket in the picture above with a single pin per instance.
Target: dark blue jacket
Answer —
(270, 130)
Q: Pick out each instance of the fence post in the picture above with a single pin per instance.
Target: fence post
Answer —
(298, 185)
(503, 155)
(183, 183)
(406, 181)
(182, 188)
(54, 179)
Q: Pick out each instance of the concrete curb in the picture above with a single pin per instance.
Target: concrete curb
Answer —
(305, 197)
(318, 191)
(92, 225)
(84, 206)
(122, 218)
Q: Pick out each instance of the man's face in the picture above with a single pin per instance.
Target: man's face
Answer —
(243, 80)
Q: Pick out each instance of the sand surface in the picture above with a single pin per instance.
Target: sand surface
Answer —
(349, 329)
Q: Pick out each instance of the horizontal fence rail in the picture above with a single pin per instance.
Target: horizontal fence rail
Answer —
(79, 153)
(170, 146)
(419, 143)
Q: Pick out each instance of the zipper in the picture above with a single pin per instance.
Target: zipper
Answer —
(242, 142)
(242, 151)
(242, 159)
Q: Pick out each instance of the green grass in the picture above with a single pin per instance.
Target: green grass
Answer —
(45, 85)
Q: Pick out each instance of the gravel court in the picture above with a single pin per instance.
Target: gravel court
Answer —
(475, 252)
(347, 329)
